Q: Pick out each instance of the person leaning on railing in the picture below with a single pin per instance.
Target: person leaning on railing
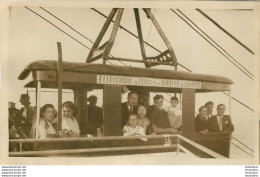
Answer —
(129, 107)
(47, 129)
(209, 105)
(142, 120)
(132, 128)
(70, 126)
(159, 118)
(201, 121)
(220, 122)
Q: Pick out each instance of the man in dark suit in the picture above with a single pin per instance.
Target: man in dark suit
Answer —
(129, 107)
(220, 122)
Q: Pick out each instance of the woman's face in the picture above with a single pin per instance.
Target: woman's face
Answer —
(132, 121)
(67, 112)
(204, 112)
(141, 112)
(49, 114)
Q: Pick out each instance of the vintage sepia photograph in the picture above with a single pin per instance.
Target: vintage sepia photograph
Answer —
(131, 84)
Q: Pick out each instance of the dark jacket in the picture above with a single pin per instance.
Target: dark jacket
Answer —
(160, 119)
(200, 124)
(95, 119)
(150, 111)
(227, 125)
(125, 113)
(29, 120)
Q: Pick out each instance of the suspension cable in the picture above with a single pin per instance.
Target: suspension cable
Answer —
(60, 28)
(240, 102)
(57, 27)
(241, 149)
(215, 42)
(243, 144)
(66, 24)
(72, 29)
(225, 31)
(212, 44)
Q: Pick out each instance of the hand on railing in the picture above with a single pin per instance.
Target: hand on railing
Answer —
(205, 132)
(172, 131)
(64, 133)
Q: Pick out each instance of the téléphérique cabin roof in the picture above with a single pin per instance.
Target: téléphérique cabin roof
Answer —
(42, 65)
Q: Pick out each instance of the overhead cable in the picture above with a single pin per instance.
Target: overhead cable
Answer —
(212, 45)
(224, 30)
(56, 27)
(215, 42)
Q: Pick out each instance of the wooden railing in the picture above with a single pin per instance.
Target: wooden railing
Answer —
(167, 144)
(200, 147)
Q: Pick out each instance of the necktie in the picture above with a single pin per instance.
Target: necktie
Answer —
(131, 109)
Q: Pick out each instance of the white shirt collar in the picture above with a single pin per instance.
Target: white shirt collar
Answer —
(219, 116)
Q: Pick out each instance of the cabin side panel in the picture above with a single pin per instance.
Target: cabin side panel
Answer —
(188, 112)
(112, 110)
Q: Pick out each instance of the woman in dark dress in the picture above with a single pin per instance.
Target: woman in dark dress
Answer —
(201, 121)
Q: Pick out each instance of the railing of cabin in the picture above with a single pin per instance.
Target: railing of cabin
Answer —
(167, 144)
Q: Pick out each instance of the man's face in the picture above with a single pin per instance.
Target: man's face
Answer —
(24, 101)
(204, 112)
(132, 99)
(210, 108)
(221, 110)
(159, 103)
(92, 102)
(67, 112)
(174, 103)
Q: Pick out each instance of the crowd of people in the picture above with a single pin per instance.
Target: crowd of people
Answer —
(136, 119)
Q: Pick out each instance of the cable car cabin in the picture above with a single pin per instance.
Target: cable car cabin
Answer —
(84, 77)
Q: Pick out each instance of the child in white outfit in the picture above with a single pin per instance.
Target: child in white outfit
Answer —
(132, 129)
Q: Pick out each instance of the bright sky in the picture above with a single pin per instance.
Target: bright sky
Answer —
(33, 39)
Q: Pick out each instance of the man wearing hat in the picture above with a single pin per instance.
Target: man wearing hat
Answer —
(95, 116)
(28, 114)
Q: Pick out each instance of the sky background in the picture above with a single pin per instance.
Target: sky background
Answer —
(31, 39)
